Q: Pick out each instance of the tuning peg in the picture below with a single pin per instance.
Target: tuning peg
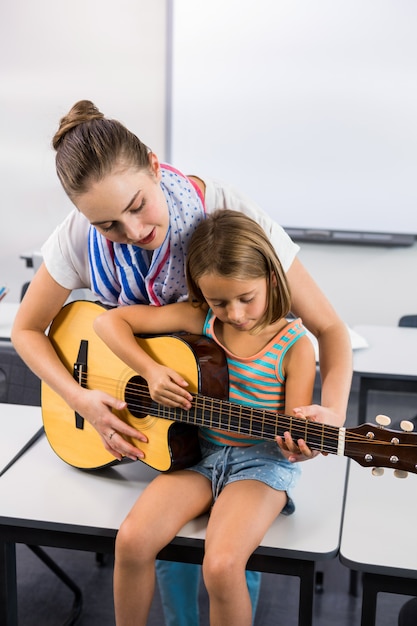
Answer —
(377, 471)
(400, 474)
(383, 420)
(407, 426)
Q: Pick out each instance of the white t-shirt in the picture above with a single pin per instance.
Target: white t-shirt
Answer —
(65, 252)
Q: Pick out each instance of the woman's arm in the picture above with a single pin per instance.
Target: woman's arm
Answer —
(117, 329)
(335, 349)
(43, 300)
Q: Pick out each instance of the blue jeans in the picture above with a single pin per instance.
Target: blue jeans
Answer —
(179, 585)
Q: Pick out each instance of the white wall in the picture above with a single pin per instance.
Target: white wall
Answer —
(53, 53)
(367, 285)
(116, 56)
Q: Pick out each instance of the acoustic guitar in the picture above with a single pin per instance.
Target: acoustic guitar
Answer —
(172, 432)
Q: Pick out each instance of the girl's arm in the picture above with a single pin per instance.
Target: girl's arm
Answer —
(335, 350)
(299, 368)
(300, 373)
(117, 329)
(43, 300)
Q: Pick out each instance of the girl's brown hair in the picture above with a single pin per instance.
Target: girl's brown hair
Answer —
(232, 245)
(89, 146)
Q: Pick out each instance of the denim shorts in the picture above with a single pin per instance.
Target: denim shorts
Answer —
(264, 461)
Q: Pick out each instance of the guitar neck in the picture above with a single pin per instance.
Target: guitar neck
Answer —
(255, 423)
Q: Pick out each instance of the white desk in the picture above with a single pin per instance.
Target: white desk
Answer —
(392, 351)
(66, 507)
(8, 312)
(388, 364)
(379, 535)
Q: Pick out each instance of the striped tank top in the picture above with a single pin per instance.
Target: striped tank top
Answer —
(257, 381)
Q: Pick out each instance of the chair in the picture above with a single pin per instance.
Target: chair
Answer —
(408, 320)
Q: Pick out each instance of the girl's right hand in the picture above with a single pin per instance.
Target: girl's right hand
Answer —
(96, 407)
(167, 387)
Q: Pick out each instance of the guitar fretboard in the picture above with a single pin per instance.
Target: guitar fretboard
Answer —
(254, 422)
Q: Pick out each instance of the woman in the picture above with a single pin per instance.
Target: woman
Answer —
(126, 240)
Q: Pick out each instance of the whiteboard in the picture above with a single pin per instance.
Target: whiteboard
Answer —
(308, 107)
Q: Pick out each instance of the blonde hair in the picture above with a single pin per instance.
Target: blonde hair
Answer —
(232, 245)
(89, 146)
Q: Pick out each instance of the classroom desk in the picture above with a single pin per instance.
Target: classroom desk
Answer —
(388, 364)
(379, 536)
(46, 502)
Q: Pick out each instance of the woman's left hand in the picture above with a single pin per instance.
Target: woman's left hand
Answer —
(321, 414)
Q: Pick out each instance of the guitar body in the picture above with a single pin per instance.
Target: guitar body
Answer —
(171, 444)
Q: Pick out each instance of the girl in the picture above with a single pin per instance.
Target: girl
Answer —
(240, 298)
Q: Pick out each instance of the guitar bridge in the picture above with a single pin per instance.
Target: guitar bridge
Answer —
(79, 372)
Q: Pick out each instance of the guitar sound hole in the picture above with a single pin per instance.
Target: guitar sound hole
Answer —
(137, 396)
(182, 439)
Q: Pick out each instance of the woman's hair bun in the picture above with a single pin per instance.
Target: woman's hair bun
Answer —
(82, 111)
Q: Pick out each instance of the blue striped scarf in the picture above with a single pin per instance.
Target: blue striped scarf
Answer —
(124, 274)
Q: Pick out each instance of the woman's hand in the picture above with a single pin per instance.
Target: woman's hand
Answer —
(321, 414)
(96, 407)
(165, 387)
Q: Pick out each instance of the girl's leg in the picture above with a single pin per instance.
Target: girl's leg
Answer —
(168, 502)
(239, 519)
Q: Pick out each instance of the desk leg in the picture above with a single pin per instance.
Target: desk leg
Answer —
(307, 587)
(302, 569)
(8, 584)
(369, 598)
(378, 583)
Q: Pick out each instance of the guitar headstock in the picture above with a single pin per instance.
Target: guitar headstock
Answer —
(378, 447)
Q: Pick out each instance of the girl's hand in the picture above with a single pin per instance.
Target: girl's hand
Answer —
(296, 451)
(96, 407)
(168, 388)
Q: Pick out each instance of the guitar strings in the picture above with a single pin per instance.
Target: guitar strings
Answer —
(328, 435)
(138, 391)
